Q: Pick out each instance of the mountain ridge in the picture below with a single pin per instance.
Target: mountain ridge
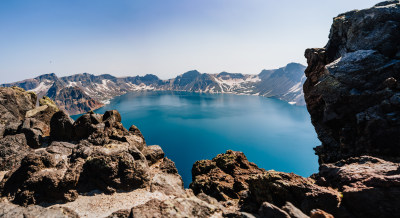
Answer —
(93, 91)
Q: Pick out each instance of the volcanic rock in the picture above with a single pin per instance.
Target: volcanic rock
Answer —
(351, 89)
(224, 177)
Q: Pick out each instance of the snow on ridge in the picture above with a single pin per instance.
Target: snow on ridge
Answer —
(42, 87)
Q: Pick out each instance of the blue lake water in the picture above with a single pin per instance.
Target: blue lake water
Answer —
(195, 126)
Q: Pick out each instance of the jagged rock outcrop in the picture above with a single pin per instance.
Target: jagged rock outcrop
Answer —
(230, 177)
(365, 182)
(95, 153)
(351, 89)
(224, 177)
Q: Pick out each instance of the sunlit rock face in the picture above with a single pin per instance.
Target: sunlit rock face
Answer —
(352, 89)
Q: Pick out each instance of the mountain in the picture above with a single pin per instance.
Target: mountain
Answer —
(84, 92)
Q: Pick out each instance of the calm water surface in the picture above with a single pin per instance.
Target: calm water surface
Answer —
(193, 126)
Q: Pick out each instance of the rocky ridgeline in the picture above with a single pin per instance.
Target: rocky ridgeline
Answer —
(94, 167)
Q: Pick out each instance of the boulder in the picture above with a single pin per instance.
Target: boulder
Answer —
(177, 207)
(278, 188)
(270, 210)
(61, 127)
(293, 211)
(45, 111)
(224, 177)
(364, 183)
(135, 131)
(12, 149)
(153, 153)
(35, 132)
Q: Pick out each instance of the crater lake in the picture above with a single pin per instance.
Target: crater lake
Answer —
(194, 126)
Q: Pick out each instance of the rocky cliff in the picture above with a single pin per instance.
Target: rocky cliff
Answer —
(352, 89)
(80, 93)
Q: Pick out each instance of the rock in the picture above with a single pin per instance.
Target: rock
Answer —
(121, 214)
(61, 127)
(177, 207)
(14, 103)
(48, 102)
(12, 149)
(135, 131)
(2, 130)
(293, 211)
(317, 213)
(278, 188)
(118, 167)
(270, 210)
(112, 116)
(45, 112)
(165, 179)
(364, 183)
(153, 153)
(35, 132)
(35, 111)
(223, 177)
(352, 83)
(8, 210)
(12, 128)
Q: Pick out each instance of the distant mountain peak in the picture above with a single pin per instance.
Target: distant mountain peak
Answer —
(88, 90)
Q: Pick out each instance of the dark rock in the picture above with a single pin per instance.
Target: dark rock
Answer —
(364, 183)
(12, 149)
(114, 168)
(121, 214)
(293, 211)
(12, 128)
(270, 210)
(352, 83)
(168, 166)
(278, 188)
(35, 131)
(224, 177)
(112, 116)
(61, 127)
(153, 153)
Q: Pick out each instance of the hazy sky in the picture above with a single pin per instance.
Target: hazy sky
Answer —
(162, 37)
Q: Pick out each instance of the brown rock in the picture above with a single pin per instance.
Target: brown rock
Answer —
(14, 103)
(317, 213)
(224, 177)
(270, 210)
(365, 182)
(278, 188)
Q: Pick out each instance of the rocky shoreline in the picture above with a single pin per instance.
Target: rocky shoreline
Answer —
(52, 166)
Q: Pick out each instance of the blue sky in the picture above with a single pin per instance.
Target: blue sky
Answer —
(162, 37)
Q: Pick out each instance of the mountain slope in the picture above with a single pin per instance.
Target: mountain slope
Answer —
(80, 93)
